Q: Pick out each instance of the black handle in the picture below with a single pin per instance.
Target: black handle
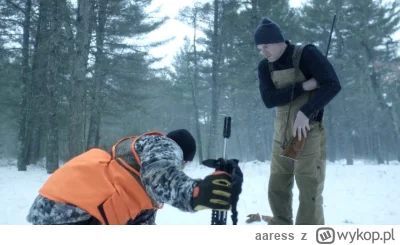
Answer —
(227, 127)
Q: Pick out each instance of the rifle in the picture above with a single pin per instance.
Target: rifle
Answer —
(219, 217)
(295, 146)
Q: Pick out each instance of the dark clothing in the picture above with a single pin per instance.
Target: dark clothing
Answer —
(268, 32)
(313, 64)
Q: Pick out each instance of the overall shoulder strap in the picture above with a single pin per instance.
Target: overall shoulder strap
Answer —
(298, 50)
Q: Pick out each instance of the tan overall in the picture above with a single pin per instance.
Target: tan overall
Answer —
(308, 172)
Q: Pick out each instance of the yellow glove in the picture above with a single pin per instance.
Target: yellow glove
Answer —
(214, 192)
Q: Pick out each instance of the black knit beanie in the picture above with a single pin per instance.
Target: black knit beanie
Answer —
(268, 32)
(186, 141)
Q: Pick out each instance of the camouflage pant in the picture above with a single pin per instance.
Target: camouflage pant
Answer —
(309, 174)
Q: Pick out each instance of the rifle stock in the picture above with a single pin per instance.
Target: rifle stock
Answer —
(293, 149)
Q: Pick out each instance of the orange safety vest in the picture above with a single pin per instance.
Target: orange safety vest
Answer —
(101, 184)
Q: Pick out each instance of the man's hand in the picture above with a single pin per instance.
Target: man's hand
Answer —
(301, 125)
(310, 84)
(214, 192)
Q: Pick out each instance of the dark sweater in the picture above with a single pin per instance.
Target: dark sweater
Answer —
(312, 64)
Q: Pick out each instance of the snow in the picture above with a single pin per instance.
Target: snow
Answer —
(363, 194)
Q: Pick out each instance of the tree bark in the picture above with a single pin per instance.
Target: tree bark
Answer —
(52, 81)
(195, 93)
(212, 139)
(76, 135)
(99, 78)
(22, 134)
(38, 102)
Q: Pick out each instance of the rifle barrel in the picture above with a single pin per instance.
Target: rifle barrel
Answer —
(330, 35)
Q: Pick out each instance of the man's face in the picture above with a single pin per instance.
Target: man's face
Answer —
(271, 51)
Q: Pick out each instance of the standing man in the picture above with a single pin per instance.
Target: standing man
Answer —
(298, 81)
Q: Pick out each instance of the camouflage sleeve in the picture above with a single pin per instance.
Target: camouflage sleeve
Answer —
(47, 212)
(162, 172)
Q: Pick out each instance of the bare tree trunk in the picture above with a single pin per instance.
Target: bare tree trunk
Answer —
(391, 112)
(99, 78)
(24, 103)
(397, 111)
(379, 153)
(195, 93)
(260, 139)
(396, 117)
(37, 130)
(333, 137)
(236, 115)
(76, 135)
(349, 149)
(212, 139)
(38, 101)
(250, 138)
(374, 85)
(52, 81)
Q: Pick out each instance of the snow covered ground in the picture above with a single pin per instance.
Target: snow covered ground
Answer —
(362, 194)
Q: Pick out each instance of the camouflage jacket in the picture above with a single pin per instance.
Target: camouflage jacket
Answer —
(161, 174)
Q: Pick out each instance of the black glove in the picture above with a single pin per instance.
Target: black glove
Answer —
(214, 192)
